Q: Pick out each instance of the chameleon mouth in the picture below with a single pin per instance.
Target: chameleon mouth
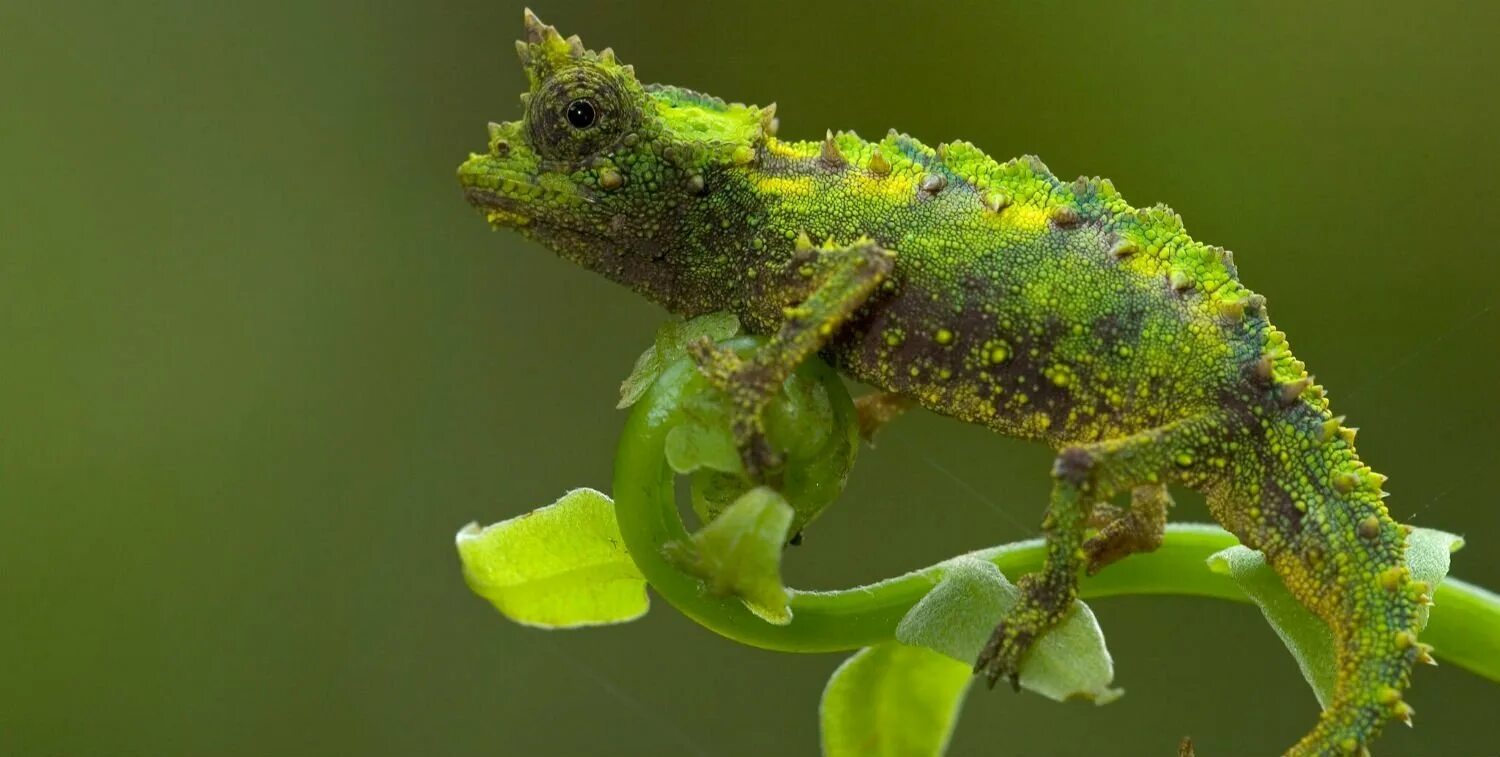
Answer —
(508, 197)
(512, 198)
(499, 209)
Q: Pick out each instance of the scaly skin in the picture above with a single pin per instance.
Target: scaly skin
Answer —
(990, 292)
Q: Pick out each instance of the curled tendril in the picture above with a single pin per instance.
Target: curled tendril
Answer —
(812, 423)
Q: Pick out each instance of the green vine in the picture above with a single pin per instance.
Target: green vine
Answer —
(584, 561)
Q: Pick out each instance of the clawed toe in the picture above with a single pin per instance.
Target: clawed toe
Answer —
(1001, 658)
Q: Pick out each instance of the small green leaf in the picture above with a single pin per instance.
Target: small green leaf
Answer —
(1305, 636)
(702, 447)
(1429, 554)
(672, 340)
(691, 446)
(957, 617)
(559, 566)
(892, 700)
(739, 553)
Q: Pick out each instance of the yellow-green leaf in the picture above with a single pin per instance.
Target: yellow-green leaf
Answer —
(559, 566)
(892, 700)
(739, 553)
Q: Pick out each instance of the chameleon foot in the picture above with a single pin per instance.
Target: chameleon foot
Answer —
(1124, 533)
(1037, 612)
(749, 385)
(1082, 477)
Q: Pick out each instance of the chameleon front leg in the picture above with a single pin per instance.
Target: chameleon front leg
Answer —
(1121, 534)
(849, 276)
(1083, 476)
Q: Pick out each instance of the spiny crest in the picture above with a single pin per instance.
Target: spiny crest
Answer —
(959, 163)
(967, 161)
(685, 96)
(1021, 180)
(677, 97)
(909, 147)
(704, 123)
(830, 154)
(1150, 239)
(545, 51)
(1154, 241)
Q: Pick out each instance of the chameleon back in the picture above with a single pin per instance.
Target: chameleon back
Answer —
(1040, 308)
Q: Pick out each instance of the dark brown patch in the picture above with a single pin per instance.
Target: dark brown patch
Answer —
(1116, 328)
(1277, 504)
(1073, 465)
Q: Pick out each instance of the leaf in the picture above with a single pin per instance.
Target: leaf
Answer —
(560, 566)
(702, 447)
(691, 446)
(1429, 554)
(1305, 636)
(957, 617)
(672, 340)
(892, 700)
(739, 553)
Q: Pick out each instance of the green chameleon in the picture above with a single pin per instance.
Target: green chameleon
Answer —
(992, 292)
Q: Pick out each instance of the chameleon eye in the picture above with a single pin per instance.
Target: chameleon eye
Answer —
(581, 114)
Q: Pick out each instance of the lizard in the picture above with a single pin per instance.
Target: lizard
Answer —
(991, 292)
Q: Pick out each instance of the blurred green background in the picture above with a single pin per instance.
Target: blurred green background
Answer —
(259, 361)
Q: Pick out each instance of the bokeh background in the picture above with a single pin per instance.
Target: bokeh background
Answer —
(259, 361)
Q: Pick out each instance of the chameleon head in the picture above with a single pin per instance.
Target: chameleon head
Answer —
(608, 172)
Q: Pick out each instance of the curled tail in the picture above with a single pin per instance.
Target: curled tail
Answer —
(1303, 497)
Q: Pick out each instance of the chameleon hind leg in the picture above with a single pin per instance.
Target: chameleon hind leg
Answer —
(1121, 534)
(1083, 476)
(846, 278)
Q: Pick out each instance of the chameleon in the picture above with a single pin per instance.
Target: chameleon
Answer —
(991, 292)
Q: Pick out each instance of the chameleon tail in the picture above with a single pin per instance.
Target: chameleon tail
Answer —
(1345, 561)
(1374, 630)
